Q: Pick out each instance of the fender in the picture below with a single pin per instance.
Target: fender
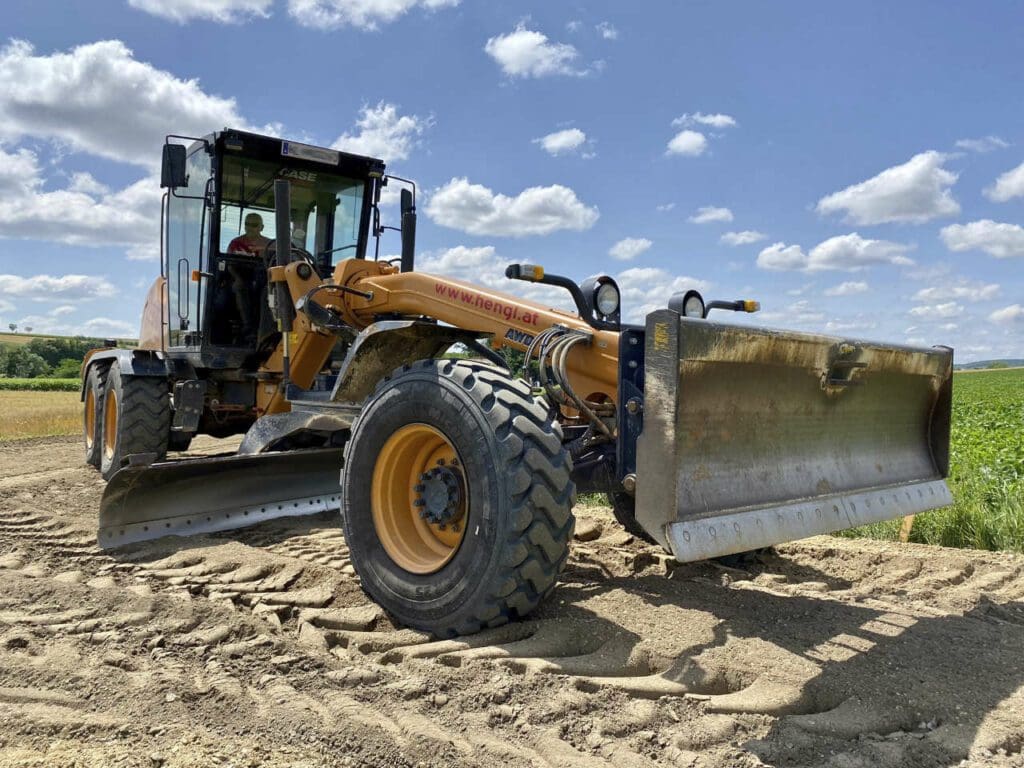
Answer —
(133, 362)
(387, 344)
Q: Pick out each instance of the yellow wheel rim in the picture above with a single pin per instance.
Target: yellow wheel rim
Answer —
(418, 498)
(110, 424)
(90, 418)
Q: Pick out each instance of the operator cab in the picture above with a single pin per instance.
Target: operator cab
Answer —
(217, 308)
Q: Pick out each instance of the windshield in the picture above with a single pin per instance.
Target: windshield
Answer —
(325, 208)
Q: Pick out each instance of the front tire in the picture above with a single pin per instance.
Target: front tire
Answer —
(92, 413)
(136, 419)
(457, 497)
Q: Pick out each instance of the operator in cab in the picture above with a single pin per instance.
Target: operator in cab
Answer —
(252, 243)
(244, 282)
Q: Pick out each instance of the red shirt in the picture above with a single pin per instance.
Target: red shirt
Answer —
(241, 245)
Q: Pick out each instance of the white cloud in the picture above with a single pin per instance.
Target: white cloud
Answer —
(852, 252)
(607, 31)
(844, 326)
(50, 288)
(746, 237)
(996, 239)
(709, 213)
(104, 326)
(963, 290)
(798, 313)
(782, 257)
(916, 191)
(383, 133)
(19, 171)
(223, 11)
(688, 143)
(483, 266)
(848, 253)
(645, 289)
(699, 118)
(984, 144)
(64, 309)
(629, 248)
(6, 306)
(86, 184)
(143, 252)
(98, 98)
(96, 327)
(362, 14)
(1011, 314)
(527, 53)
(561, 142)
(1007, 186)
(664, 207)
(475, 209)
(130, 216)
(935, 311)
(847, 289)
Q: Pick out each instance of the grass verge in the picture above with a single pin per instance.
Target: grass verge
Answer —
(41, 385)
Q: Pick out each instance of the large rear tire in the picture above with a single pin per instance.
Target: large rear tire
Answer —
(457, 497)
(136, 419)
(92, 413)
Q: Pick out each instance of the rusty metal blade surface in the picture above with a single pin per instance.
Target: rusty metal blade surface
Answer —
(758, 423)
(194, 496)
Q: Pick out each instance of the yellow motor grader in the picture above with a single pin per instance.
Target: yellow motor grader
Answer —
(455, 476)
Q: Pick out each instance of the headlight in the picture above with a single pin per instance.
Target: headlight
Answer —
(693, 304)
(606, 299)
(689, 304)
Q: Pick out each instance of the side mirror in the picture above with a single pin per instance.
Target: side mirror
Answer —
(172, 169)
(408, 231)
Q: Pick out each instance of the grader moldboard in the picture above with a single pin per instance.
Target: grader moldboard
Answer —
(458, 476)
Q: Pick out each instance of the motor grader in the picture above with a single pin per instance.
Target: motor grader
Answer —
(456, 476)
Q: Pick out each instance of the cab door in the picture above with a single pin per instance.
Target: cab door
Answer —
(187, 244)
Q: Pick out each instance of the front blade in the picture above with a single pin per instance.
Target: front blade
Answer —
(777, 435)
(195, 496)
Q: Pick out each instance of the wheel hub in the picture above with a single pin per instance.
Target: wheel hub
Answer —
(439, 496)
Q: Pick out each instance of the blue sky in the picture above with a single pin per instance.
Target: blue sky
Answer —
(858, 169)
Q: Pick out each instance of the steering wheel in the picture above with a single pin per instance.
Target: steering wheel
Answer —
(297, 254)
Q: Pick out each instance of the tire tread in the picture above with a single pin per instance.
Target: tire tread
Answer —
(534, 550)
(144, 420)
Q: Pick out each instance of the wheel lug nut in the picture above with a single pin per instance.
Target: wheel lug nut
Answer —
(420, 503)
(419, 488)
(424, 476)
(440, 462)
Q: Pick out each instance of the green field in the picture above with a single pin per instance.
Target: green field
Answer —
(986, 469)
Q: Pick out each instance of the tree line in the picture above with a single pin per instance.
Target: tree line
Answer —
(58, 358)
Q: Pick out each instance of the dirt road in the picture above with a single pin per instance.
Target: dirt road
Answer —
(258, 648)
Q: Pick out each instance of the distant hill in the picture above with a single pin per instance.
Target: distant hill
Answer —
(1004, 363)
